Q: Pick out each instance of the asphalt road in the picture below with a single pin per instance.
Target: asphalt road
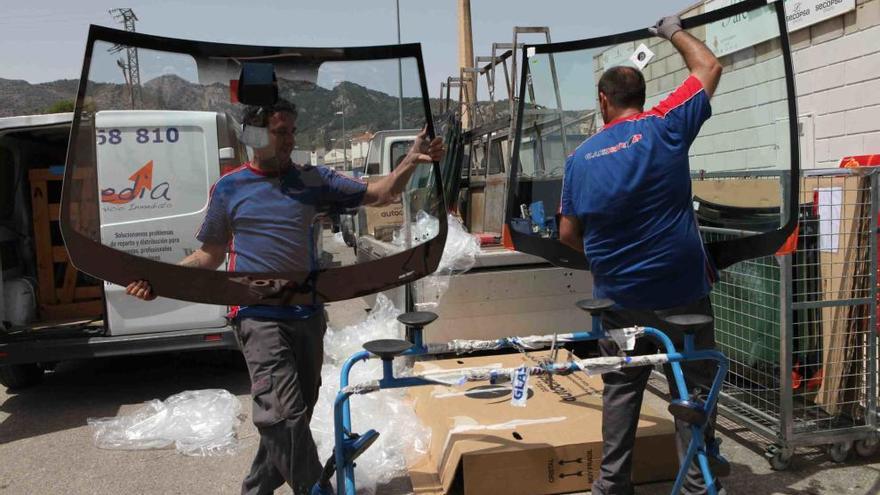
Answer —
(46, 446)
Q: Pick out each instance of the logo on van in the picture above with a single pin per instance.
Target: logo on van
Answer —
(141, 187)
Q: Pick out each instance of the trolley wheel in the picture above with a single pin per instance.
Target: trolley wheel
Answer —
(779, 458)
(867, 447)
(840, 451)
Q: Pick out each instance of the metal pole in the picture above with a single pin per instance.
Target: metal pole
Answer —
(465, 55)
(344, 144)
(872, 329)
(786, 332)
(399, 74)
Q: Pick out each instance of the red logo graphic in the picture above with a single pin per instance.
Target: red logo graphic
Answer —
(142, 183)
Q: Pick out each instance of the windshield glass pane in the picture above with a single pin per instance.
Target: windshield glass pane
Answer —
(174, 162)
(740, 161)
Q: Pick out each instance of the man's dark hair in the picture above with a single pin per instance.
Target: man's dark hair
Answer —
(259, 116)
(624, 87)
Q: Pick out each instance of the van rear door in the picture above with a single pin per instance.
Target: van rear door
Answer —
(155, 171)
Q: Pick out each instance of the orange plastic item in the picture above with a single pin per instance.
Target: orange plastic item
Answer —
(790, 244)
(506, 240)
(860, 161)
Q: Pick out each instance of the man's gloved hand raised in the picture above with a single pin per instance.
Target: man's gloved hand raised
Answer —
(666, 27)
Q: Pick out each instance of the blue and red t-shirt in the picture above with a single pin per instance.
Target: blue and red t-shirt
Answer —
(267, 219)
(629, 186)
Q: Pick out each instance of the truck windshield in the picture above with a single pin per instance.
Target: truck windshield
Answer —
(166, 160)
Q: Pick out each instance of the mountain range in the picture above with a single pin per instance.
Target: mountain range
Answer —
(365, 109)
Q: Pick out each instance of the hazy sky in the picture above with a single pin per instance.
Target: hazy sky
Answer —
(43, 40)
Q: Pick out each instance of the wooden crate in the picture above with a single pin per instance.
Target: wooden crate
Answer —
(60, 297)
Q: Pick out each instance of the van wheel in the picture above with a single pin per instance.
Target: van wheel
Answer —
(19, 376)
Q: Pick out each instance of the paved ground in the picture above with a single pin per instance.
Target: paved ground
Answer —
(45, 445)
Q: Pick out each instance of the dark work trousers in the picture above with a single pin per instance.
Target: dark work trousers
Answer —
(624, 389)
(284, 360)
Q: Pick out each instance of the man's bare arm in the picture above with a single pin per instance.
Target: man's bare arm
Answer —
(699, 59)
(209, 256)
(385, 190)
(571, 233)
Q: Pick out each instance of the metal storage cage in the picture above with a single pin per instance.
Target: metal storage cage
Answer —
(800, 328)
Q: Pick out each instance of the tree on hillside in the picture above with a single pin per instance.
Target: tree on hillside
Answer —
(60, 106)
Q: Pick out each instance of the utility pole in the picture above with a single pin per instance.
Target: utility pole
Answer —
(129, 66)
(399, 74)
(466, 56)
(344, 144)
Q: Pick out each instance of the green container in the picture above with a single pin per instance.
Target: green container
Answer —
(747, 312)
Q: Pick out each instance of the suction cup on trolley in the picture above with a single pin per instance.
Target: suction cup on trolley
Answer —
(689, 323)
(387, 348)
(595, 306)
(689, 411)
(417, 318)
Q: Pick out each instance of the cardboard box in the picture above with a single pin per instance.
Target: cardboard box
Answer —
(481, 444)
(382, 219)
(746, 193)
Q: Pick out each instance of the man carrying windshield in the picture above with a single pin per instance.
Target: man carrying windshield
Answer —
(626, 202)
(262, 215)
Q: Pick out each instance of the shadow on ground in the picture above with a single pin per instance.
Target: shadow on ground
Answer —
(78, 390)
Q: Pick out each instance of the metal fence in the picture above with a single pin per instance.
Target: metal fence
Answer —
(800, 329)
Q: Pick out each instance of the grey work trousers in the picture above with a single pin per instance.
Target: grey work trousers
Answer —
(284, 361)
(624, 389)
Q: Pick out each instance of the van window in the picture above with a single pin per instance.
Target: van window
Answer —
(496, 157)
(478, 159)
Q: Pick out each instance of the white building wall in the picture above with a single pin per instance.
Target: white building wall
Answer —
(837, 66)
(838, 82)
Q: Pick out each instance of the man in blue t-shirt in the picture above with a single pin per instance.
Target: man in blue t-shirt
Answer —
(262, 214)
(626, 202)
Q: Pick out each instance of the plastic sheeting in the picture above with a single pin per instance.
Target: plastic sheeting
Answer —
(424, 228)
(496, 375)
(196, 422)
(624, 337)
(459, 255)
(401, 434)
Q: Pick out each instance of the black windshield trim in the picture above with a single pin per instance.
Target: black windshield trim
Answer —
(241, 288)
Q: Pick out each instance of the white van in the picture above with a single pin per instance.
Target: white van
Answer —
(156, 169)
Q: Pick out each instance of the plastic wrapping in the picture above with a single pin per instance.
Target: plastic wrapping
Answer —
(497, 375)
(528, 343)
(626, 337)
(402, 435)
(196, 422)
(459, 255)
(339, 238)
(597, 366)
(425, 228)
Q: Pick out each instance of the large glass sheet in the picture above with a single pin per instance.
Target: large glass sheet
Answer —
(747, 140)
(164, 161)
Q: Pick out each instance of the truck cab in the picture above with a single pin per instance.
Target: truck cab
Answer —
(385, 151)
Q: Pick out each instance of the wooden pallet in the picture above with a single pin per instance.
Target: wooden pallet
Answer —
(60, 298)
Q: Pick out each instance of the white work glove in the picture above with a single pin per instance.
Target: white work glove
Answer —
(666, 27)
